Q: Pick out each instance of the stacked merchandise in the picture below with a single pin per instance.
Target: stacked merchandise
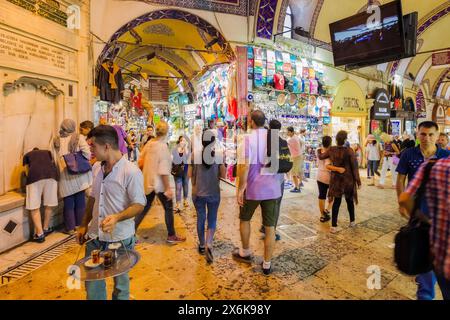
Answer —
(291, 89)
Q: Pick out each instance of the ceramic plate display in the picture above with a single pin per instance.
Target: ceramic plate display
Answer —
(281, 100)
(292, 99)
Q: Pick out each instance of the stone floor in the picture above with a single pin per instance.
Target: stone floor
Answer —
(309, 262)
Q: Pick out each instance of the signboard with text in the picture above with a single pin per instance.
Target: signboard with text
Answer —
(159, 89)
(382, 108)
(441, 59)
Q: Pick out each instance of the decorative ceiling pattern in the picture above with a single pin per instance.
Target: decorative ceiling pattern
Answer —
(266, 18)
(236, 7)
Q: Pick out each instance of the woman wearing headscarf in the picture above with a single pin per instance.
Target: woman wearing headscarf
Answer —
(71, 187)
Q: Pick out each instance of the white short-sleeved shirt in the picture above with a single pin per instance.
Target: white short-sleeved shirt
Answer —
(121, 188)
(157, 163)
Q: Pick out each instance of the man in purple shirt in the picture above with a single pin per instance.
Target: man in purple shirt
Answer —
(257, 188)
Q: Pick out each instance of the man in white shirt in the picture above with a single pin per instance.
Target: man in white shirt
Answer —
(156, 164)
(117, 196)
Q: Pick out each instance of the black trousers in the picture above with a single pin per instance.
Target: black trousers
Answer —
(337, 205)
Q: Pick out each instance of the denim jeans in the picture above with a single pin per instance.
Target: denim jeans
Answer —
(182, 184)
(372, 167)
(168, 212)
(444, 285)
(425, 286)
(96, 290)
(73, 212)
(210, 203)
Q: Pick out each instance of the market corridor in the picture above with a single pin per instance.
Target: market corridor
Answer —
(309, 262)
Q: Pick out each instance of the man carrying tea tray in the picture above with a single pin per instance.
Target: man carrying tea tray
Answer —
(117, 196)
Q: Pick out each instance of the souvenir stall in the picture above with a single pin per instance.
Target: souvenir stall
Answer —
(216, 106)
(291, 89)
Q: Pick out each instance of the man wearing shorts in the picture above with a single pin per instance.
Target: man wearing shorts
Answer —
(256, 187)
(41, 183)
(295, 149)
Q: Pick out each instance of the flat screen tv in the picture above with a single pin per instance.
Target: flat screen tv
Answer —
(357, 40)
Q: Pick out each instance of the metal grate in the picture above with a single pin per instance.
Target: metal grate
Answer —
(27, 266)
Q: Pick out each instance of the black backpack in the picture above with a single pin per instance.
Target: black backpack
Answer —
(284, 156)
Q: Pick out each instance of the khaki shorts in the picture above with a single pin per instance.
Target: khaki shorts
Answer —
(269, 210)
(47, 189)
(297, 166)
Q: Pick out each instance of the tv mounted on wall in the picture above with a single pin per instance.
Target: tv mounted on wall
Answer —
(360, 40)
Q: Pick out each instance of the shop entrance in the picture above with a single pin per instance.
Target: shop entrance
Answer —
(350, 124)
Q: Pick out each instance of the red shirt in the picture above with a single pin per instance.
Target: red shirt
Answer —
(278, 80)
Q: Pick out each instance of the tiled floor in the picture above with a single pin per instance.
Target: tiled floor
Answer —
(309, 262)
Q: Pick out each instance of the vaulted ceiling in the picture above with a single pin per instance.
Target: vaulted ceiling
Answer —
(434, 24)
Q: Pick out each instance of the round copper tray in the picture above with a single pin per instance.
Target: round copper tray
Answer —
(126, 259)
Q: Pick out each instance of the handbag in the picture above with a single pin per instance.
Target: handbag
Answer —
(76, 163)
(177, 170)
(412, 252)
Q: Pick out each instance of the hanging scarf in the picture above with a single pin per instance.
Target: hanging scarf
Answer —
(112, 75)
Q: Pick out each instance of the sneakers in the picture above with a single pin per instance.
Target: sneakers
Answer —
(335, 229)
(201, 250)
(352, 224)
(209, 255)
(296, 190)
(38, 239)
(175, 239)
(236, 256)
(277, 237)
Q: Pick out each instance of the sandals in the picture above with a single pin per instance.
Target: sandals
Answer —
(325, 217)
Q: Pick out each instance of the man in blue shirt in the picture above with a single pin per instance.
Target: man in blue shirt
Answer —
(410, 161)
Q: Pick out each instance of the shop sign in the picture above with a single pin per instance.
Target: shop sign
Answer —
(382, 109)
(190, 111)
(441, 59)
(159, 89)
(349, 99)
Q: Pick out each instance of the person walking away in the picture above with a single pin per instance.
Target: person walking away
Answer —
(117, 196)
(180, 161)
(205, 179)
(323, 179)
(155, 163)
(390, 160)
(42, 176)
(342, 184)
(71, 187)
(302, 139)
(256, 188)
(296, 155)
(275, 126)
(410, 162)
(437, 197)
(373, 157)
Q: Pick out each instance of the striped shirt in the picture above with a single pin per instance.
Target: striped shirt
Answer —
(438, 199)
